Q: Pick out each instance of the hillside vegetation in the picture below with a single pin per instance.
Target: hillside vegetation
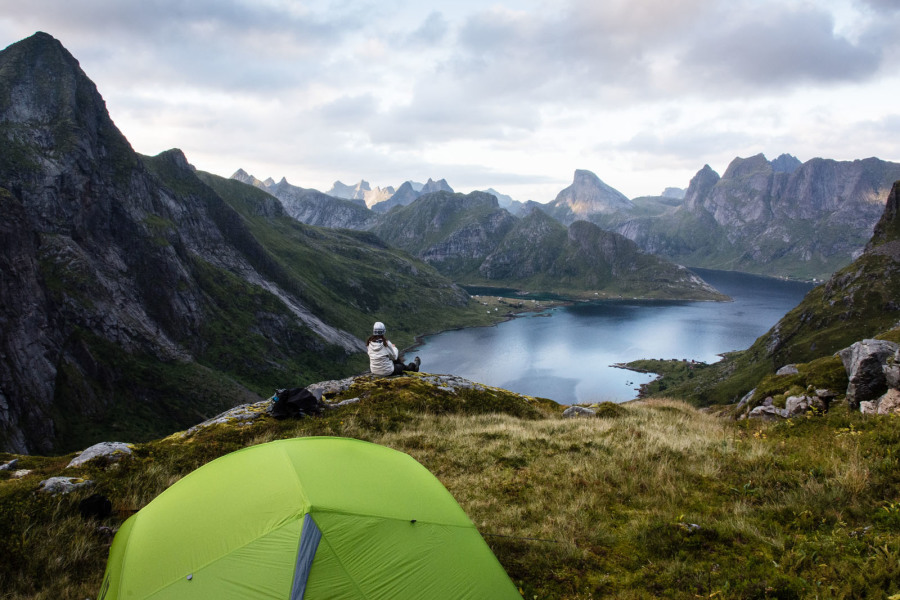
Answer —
(858, 302)
(651, 499)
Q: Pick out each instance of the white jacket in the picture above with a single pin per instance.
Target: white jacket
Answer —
(381, 358)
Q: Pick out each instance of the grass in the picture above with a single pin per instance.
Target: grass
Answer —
(655, 500)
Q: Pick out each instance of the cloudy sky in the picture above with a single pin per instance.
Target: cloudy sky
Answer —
(514, 95)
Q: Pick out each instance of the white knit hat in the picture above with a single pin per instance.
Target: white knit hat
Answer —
(378, 329)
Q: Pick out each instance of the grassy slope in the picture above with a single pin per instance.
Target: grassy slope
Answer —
(654, 500)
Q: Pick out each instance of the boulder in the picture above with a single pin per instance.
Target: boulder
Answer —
(787, 370)
(111, 450)
(745, 400)
(9, 466)
(864, 362)
(868, 407)
(892, 371)
(889, 404)
(768, 413)
(63, 485)
(798, 405)
(578, 411)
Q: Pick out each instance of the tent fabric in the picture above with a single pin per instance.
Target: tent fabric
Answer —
(304, 518)
(310, 536)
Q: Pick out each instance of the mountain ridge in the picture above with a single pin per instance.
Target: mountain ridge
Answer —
(139, 294)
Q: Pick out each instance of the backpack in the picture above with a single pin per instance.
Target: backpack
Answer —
(295, 403)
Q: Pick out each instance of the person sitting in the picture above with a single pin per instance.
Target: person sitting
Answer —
(384, 358)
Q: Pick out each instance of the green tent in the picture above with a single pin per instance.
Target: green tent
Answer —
(306, 518)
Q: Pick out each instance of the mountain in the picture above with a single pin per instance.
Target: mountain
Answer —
(514, 206)
(781, 217)
(587, 196)
(360, 191)
(350, 192)
(409, 191)
(857, 302)
(432, 186)
(473, 240)
(312, 206)
(138, 295)
(673, 193)
(315, 208)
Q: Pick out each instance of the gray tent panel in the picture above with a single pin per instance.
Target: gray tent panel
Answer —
(309, 543)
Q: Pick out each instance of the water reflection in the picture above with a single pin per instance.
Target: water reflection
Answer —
(567, 357)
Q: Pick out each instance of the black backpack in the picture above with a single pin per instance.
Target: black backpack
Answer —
(295, 402)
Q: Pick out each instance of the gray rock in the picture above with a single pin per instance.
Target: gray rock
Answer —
(864, 362)
(21, 473)
(745, 400)
(889, 404)
(63, 485)
(111, 450)
(798, 405)
(241, 415)
(342, 403)
(9, 466)
(334, 386)
(867, 407)
(578, 411)
(892, 371)
(787, 370)
(768, 413)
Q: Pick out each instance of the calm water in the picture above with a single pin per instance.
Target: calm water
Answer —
(565, 353)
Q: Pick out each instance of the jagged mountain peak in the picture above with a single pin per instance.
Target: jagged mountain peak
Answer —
(786, 163)
(242, 176)
(742, 167)
(45, 89)
(588, 194)
(432, 186)
(176, 156)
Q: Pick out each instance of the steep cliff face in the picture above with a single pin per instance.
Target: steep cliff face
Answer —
(782, 218)
(136, 299)
(315, 208)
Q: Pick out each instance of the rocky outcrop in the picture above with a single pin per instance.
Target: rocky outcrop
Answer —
(865, 363)
(873, 368)
(112, 451)
(794, 406)
(578, 411)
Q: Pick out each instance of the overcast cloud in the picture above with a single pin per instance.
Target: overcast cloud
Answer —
(510, 95)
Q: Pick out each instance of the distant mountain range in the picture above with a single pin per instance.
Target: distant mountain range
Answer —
(474, 241)
(779, 218)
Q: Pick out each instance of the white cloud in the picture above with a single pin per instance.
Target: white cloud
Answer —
(515, 93)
